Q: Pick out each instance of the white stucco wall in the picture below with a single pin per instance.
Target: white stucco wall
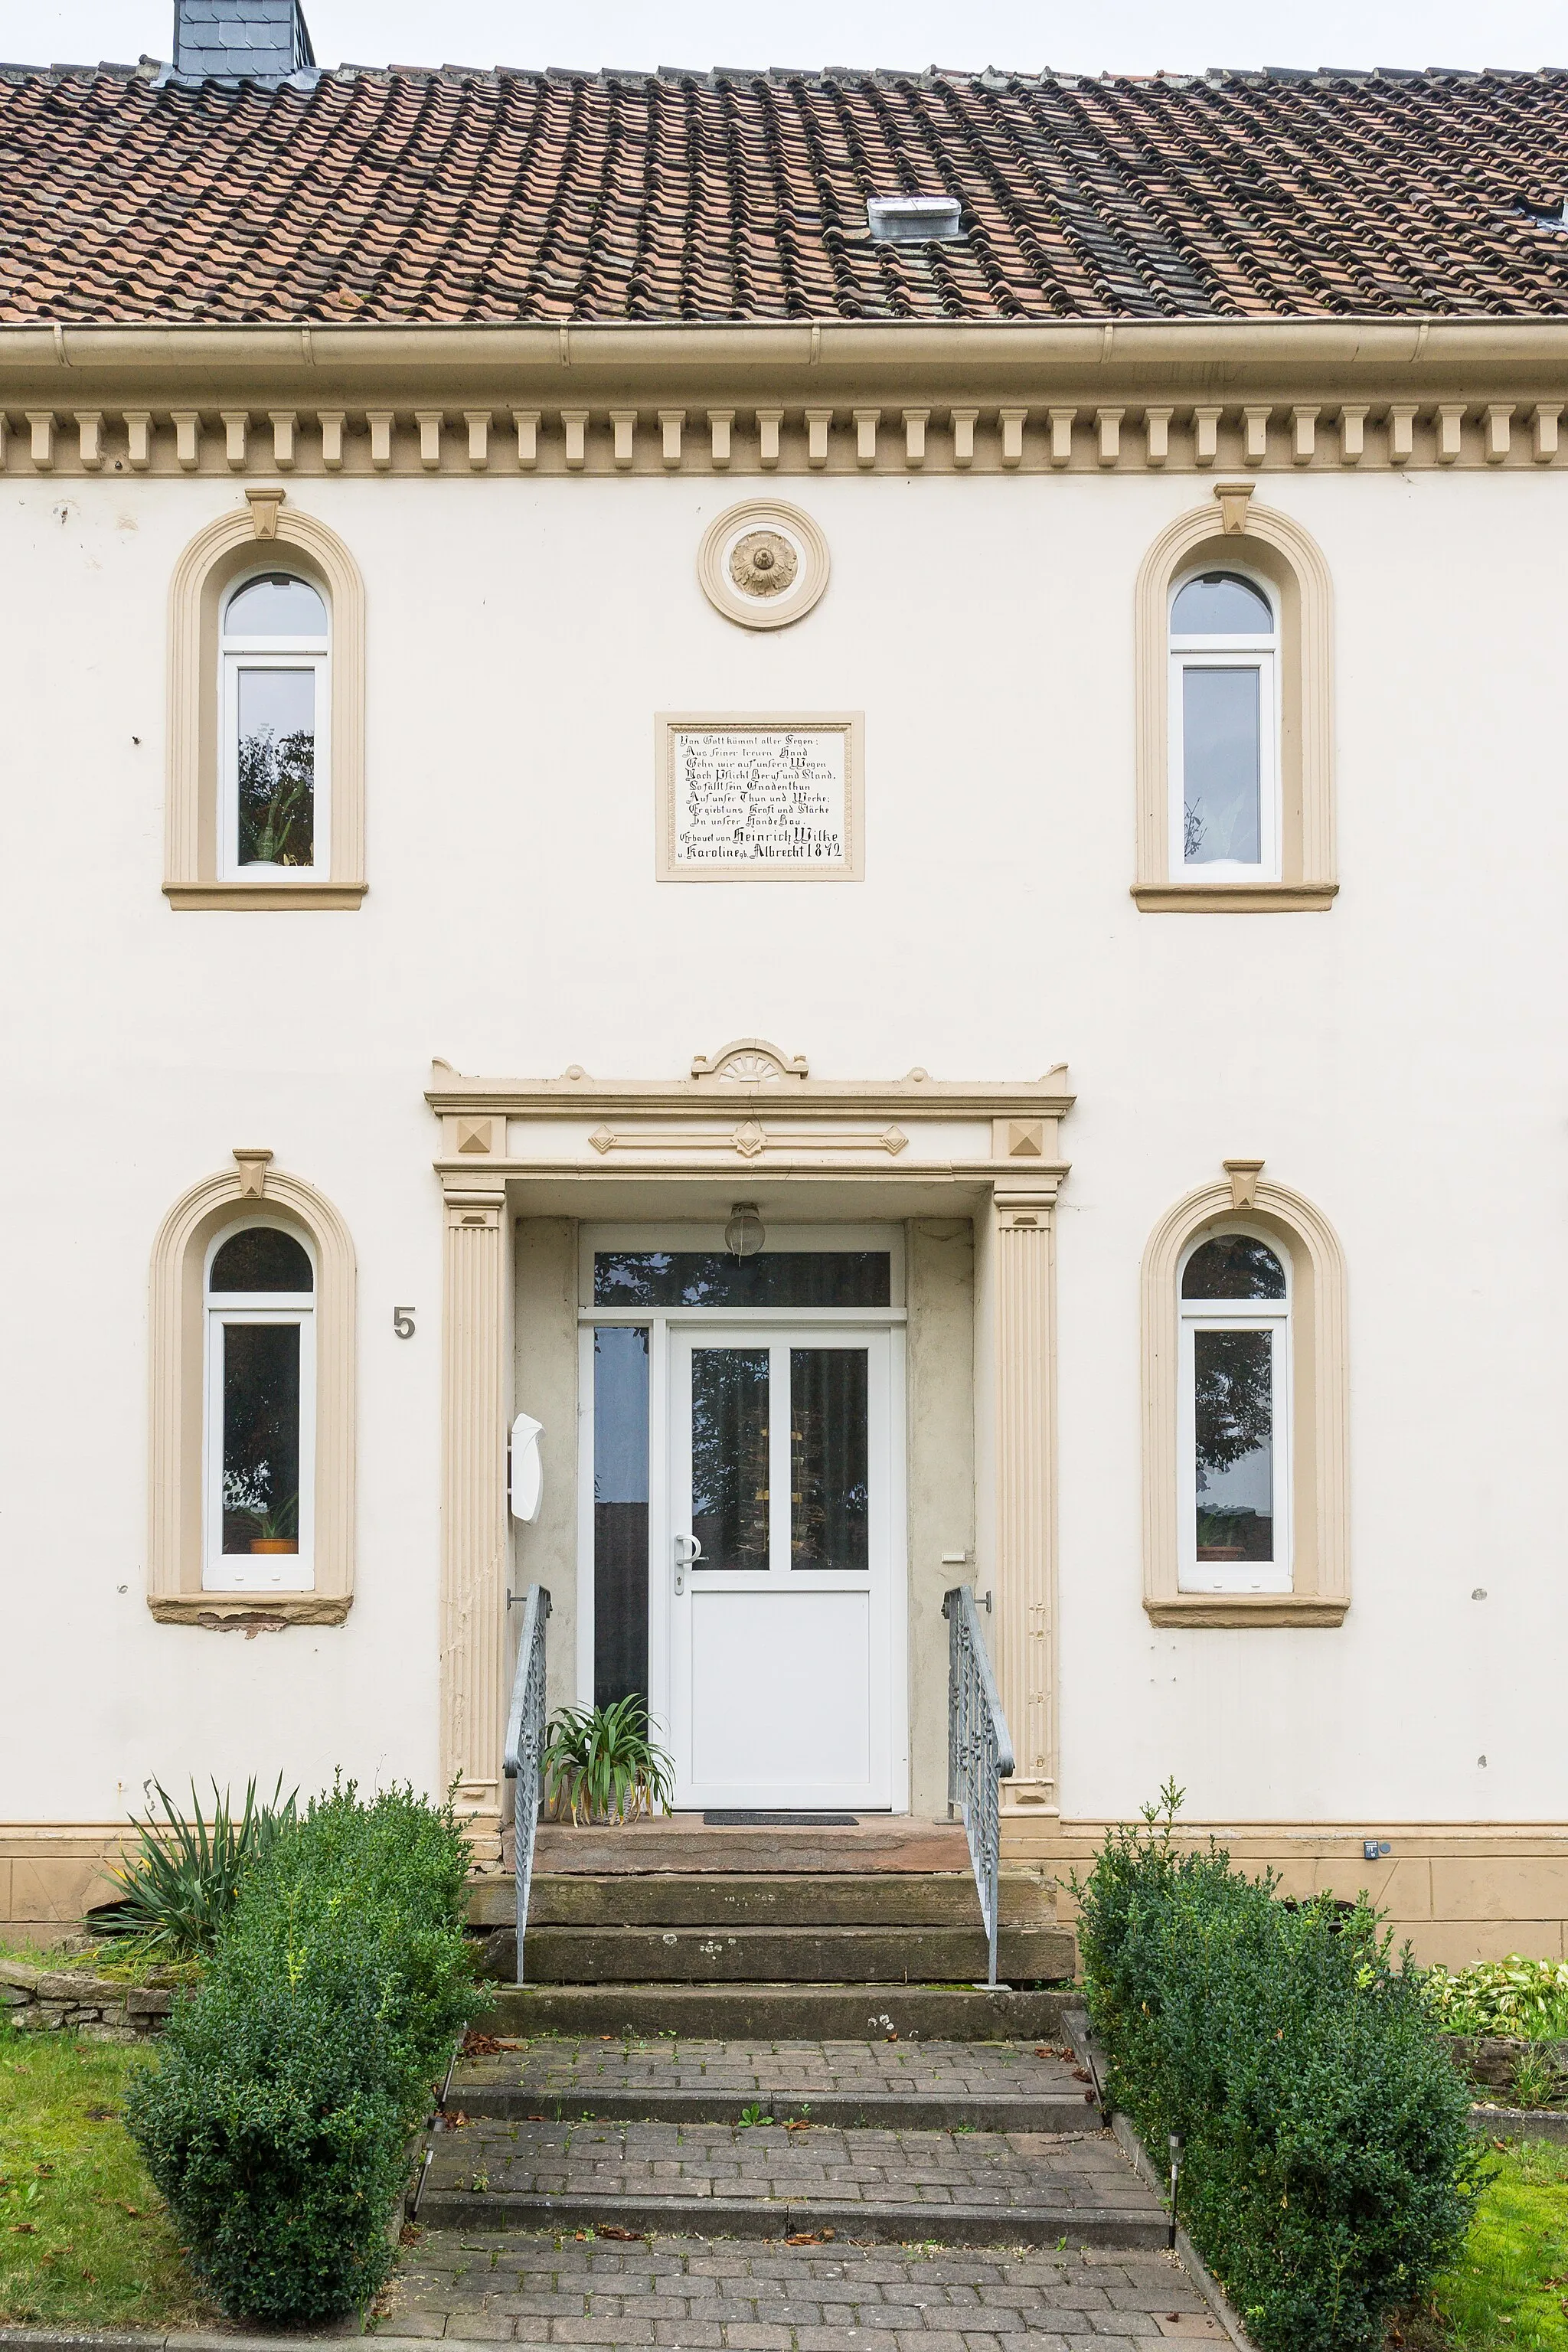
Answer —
(1398, 1060)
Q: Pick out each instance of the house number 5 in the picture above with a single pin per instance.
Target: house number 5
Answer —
(402, 1322)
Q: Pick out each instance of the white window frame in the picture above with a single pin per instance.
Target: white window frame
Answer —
(1193, 1315)
(256, 1571)
(1258, 652)
(242, 653)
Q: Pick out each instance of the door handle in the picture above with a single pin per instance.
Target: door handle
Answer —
(688, 1552)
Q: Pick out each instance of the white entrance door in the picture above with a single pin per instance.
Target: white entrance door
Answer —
(783, 1500)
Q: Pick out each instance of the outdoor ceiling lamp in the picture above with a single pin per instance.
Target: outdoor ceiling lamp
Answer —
(745, 1232)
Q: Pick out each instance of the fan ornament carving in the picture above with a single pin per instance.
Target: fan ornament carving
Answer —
(750, 1061)
(764, 563)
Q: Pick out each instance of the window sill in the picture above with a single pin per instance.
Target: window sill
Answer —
(1249, 1608)
(1234, 897)
(255, 1612)
(264, 898)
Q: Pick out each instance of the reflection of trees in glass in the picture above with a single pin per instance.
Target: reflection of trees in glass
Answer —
(1233, 1398)
(712, 1278)
(277, 798)
(1233, 1380)
(1234, 1266)
(1192, 831)
(260, 1465)
(730, 1456)
(829, 1478)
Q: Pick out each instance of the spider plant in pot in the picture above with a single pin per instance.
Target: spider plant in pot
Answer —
(602, 1764)
(245, 1496)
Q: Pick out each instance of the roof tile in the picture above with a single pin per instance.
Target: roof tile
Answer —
(400, 196)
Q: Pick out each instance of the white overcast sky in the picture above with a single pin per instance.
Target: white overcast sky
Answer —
(1074, 35)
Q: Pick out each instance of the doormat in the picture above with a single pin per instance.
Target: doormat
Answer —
(781, 1821)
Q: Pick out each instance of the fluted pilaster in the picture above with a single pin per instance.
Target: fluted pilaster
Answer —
(474, 1534)
(1024, 1242)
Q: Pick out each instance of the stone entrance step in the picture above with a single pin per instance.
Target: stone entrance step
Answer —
(802, 1955)
(786, 2012)
(771, 2180)
(769, 1899)
(684, 1843)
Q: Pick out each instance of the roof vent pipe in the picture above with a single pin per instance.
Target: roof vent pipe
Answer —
(264, 38)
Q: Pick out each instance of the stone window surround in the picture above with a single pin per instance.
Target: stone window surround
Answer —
(1319, 1594)
(1276, 546)
(219, 554)
(177, 1400)
(487, 1187)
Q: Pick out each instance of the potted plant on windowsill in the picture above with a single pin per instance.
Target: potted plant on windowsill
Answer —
(245, 1497)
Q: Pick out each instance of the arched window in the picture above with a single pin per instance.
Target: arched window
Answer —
(1224, 729)
(275, 816)
(259, 1437)
(265, 805)
(1234, 711)
(1246, 1408)
(1233, 1441)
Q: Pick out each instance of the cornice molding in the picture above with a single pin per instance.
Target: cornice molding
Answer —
(716, 1098)
(901, 419)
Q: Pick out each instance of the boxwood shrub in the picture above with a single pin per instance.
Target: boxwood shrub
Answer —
(1327, 2167)
(278, 2118)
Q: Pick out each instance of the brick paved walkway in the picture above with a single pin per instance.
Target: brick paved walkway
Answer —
(773, 2162)
(696, 2295)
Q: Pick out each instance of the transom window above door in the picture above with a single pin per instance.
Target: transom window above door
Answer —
(274, 819)
(1224, 729)
(705, 1277)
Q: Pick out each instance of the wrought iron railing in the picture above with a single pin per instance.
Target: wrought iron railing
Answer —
(525, 1748)
(979, 1752)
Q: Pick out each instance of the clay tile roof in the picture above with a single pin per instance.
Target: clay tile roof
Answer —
(457, 196)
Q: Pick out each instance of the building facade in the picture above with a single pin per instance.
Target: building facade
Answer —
(895, 867)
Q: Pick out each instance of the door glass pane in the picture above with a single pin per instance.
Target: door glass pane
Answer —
(829, 1484)
(1234, 1379)
(730, 1456)
(260, 1435)
(276, 767)
(1221, 766)
(620, 1514)
(713, 1278)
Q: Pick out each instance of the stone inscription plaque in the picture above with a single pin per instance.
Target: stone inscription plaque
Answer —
(759, 799)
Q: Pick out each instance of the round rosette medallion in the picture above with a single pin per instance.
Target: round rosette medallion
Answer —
(764, 564)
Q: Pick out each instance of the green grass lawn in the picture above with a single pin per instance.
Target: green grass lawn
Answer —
(1509, 2286)
(84, 2236)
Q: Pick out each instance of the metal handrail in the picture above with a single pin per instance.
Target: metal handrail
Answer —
(524, 1753)
(979, 1752)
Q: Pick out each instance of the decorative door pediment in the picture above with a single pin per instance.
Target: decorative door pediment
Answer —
(750, 1105)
